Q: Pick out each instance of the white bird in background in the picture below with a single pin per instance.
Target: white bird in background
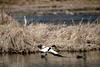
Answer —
(25, 20)
(47, 50)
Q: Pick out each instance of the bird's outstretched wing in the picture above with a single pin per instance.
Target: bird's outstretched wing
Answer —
(55, 53)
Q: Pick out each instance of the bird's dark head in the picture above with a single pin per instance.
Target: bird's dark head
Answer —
(54, 46)
(40, 46)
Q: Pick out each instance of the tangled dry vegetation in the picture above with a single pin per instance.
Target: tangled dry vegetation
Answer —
(19, 39)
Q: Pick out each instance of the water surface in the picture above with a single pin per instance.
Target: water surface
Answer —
(61, 18)
(34, 60)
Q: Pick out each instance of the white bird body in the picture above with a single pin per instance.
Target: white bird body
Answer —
(46, 50)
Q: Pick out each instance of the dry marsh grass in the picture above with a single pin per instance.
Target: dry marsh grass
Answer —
(17, 39)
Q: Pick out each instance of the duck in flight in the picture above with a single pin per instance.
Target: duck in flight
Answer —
(47, 50)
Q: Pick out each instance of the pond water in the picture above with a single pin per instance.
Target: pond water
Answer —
(60, 18)
(34, 60)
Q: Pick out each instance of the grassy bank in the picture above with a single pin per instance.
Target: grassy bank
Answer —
(15, 38)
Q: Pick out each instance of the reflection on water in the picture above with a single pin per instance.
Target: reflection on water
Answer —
(34, 60)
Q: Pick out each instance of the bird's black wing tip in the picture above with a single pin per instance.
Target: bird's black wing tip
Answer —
(58, 55)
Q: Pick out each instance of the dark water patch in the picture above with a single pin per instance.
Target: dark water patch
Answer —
(60, 18)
